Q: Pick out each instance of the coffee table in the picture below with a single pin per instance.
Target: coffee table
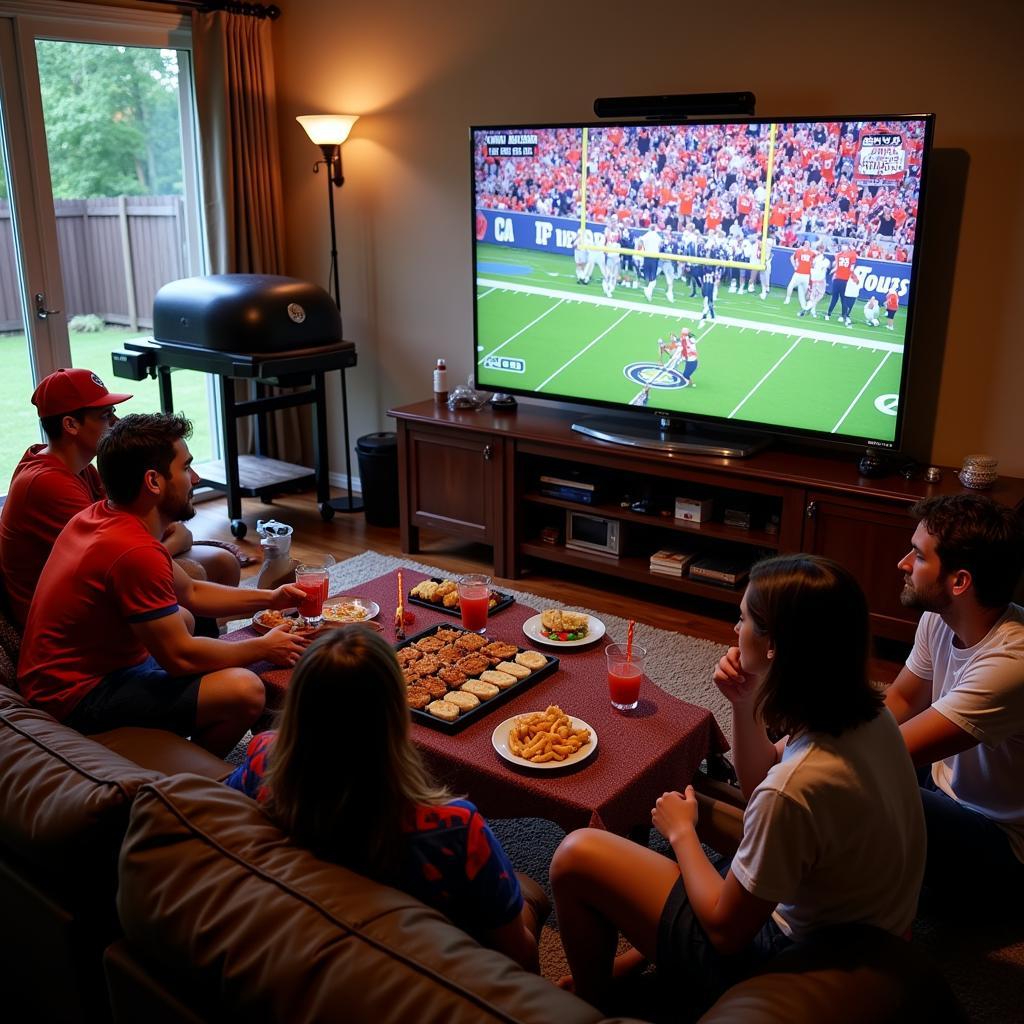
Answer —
(639, 756)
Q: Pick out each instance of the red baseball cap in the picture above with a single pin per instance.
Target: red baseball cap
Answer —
(64, 391)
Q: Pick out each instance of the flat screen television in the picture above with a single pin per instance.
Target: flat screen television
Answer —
(737, 273)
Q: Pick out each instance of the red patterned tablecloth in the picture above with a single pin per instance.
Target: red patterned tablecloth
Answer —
(639, 755)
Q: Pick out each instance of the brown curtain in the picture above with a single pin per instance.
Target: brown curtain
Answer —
(236, 108)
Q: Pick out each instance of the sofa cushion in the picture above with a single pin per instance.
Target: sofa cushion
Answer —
(64, 802)
(216, 898)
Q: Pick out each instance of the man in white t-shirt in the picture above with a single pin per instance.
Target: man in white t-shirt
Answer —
(960, 698)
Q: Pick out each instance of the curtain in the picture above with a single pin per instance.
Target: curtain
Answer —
(242, 193)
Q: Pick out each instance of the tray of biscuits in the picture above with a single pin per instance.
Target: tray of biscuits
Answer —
(443, 596)
(455, 677)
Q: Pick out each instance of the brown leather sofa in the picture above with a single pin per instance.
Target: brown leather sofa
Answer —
(64, 803)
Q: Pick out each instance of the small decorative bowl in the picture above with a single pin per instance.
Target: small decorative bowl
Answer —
(979, 471)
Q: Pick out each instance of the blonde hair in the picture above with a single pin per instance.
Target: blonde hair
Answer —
(343, 771)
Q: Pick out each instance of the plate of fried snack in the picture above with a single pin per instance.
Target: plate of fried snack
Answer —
(563, 628)
(340, 610)
(454, 677)
(443, 596)
(271, 618)
(544, 739)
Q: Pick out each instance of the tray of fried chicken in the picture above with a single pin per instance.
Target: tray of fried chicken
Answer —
(455, 677)
(443, 596)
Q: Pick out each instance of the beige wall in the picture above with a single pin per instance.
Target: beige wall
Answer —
(421, 73)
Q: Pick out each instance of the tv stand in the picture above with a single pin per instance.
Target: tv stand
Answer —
(476, 475)
(665, 435)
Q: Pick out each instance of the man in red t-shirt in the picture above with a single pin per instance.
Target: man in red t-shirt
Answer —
(801, 260)
(55, 481)
(892, 303)
(845, 261)
(105, 645)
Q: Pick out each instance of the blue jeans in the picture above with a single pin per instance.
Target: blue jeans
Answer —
(971, 869)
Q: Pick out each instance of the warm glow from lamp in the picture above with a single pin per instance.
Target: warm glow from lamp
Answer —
(328, 129)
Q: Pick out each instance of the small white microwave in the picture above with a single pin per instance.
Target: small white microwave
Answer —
(586, 532)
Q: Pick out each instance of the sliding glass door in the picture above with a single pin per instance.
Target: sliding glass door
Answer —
(99, 201)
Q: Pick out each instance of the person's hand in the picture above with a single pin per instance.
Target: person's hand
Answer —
(674, 813)
(286, 596)
(282, 647)
(737, 686)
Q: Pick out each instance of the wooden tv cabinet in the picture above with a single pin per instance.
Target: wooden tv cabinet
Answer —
(476, 475)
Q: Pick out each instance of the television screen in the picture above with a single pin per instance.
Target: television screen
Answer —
(756, 273)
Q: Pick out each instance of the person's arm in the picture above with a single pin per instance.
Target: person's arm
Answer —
(516, 941)
(753, 753)
(180, 653)
(729, 914)
(214, 600)
(908, 695)
(931, 736)
(177, 539)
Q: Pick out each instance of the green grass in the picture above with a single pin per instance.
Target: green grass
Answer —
(759, 361)
(21, 424)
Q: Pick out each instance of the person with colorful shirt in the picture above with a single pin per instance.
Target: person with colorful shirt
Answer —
(108, 640)
(368, 802)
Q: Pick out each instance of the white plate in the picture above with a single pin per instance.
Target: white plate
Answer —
(372, 608)
(499, 740)
(595, 630)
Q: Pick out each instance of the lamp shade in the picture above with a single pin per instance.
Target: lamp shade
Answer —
(328, 129)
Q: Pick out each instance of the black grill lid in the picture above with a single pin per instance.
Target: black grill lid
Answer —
(245, 313)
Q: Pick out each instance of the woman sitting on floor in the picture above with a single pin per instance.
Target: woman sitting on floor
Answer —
(343, 777)
(833, 831)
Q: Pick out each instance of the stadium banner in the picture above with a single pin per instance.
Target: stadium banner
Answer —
(558, 235)
(880, 276)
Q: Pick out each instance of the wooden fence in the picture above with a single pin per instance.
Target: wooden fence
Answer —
(115, 253)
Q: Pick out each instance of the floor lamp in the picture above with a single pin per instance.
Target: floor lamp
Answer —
(329, 131)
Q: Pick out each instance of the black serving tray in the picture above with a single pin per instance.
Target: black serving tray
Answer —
(504, 600)
(485, 707)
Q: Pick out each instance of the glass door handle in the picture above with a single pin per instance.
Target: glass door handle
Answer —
(41, 311)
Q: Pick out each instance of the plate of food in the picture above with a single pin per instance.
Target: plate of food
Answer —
(562, 628)
(454, 677)
(270, 618)
(544, 739)
(442, 596)
(341, 610)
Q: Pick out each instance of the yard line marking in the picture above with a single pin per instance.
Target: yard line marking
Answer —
(778, 363)
(861, 392)
(550, 309)
(581, 351)
(490, 291)
(686, 314)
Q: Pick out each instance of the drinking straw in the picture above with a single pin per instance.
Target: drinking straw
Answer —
(401, 593)
(629, 640)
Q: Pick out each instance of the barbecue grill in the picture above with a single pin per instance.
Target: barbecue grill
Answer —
(263, 328)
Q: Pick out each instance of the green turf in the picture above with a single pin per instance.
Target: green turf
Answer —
(759, 362)
(21, 424)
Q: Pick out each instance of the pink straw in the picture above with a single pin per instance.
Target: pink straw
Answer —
(629, 640)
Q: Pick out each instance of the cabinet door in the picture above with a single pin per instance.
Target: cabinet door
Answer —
(454, 481)
(868, 539)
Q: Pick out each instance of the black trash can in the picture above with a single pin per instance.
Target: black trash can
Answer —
(378, 471)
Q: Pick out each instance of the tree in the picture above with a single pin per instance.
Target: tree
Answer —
(112, 121)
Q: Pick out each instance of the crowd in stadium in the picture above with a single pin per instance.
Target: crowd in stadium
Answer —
(713, 179)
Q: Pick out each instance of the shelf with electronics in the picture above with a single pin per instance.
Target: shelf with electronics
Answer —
(477, 475)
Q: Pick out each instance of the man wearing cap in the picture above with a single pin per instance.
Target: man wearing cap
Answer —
(55, 481)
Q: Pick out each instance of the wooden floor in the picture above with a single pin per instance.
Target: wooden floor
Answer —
(348, 534)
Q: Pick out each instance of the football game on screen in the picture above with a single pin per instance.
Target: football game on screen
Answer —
(756, 272)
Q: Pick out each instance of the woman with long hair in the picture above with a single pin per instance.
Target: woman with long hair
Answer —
(832, 832)
(341, 775)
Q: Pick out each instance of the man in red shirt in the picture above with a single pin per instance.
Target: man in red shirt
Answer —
(801, 260)
(845, 261)
(105, 645)
(55, 481)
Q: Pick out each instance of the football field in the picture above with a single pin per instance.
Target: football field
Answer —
(540, 330)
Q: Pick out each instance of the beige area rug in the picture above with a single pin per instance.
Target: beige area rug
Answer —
(984, 964)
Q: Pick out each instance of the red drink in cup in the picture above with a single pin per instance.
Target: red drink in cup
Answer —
(313, 582)
(624, 675)
(474, 597)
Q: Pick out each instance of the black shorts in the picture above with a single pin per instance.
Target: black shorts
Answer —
(143, 695)
(686, 955)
